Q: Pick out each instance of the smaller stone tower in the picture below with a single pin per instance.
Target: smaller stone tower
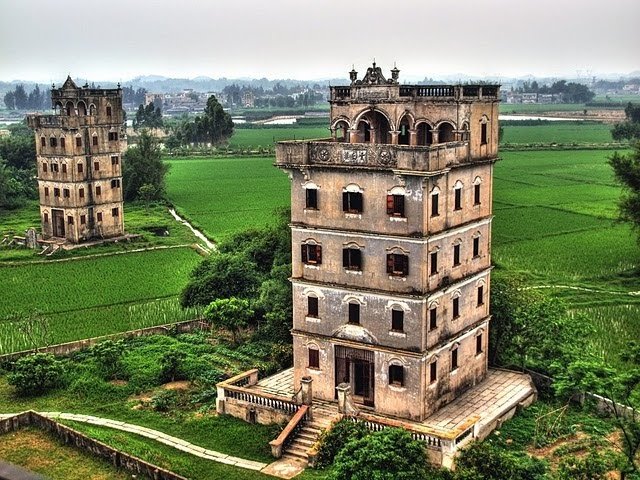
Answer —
(79, 161)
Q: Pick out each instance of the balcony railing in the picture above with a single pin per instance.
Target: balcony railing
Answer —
(401, 157)
(409, 92)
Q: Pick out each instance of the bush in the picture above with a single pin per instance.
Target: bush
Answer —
(164, 400)
(592, 467)
(36, 374)
(334, 440)
(390, 454)
(483, 460)
(172, 365)
(108, 358)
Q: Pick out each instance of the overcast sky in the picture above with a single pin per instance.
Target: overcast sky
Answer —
(44, 40)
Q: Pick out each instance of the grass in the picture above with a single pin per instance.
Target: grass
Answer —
(42, 453)
(551, 107)
(557, 132)
(266, 137)
(227, 195)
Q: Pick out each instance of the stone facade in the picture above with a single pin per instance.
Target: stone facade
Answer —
(391, 238)
(79, 158)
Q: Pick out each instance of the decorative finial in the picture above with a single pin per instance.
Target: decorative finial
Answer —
(374, 62)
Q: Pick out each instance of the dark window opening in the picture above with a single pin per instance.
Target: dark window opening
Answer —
(69, 219)
(98, 191)
(433, 258)
(433, 372)
(434, 205)
(352, 202)
(78, 141)
(108, 110)
(397, 264)
(312, 307)
(62, 143)
(43, 142)
(454, 359)
(113, 136)
(115, 160)
(483, 134)
(458, 199)
(479, 344)
(44, 167)
(115, 183)
(80, 167)
(94, 141)
(476, 247)
(46, 191)
(314, 358)
(312, 198)
(433, 318)
(64, 168)
(480, 295)
(476, 194)
(99, 216)
(395, 205)
(96, 166)
(115, 212)
(81, 193)
(83, 219)
(456, 307)
(56, 192)
(396, 375)
(352, 259)
(66, 193)
(53, 142)
(456, 255)
(397, 320)
(54, 167)
(46, 218)
(311, 254)
(354, 313)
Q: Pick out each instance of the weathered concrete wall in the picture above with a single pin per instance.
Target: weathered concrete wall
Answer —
(250, 412)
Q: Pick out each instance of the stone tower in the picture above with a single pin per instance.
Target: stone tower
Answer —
(79, 160)
(391, 233)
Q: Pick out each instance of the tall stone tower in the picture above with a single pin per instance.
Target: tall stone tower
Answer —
(391, 232)
(79, 159)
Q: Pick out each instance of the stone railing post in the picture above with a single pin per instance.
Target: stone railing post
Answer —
(220, 401)
(253, 378)
(307, 390)
(346, 406)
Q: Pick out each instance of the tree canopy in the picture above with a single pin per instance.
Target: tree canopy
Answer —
(148, 117)
(143, 165)
(214, 127)
(629, 129)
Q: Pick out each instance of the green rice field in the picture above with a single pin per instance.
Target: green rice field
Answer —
(557, 132)
(266, 137)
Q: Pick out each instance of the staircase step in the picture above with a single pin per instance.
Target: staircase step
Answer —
(309, 436)
(297, 452)
(302, 442)
(310, 430)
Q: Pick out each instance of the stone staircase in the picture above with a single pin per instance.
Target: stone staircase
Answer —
(323, 414)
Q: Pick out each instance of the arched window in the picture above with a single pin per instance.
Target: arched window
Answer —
(82, 108)
(352, 199)
(109, 110)
(424, 134)
(403, 128)
(484, 133)
(311, 253)
(476, 191)
(457, 192)
(92, 109)
(341, 129)
(69, 108)
(311, 195)
(445, 133)
(395, 202)
(435, 197)
(43, 142)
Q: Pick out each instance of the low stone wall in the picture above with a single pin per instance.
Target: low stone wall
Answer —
(74, 438)
(70, 347)
(253, 413)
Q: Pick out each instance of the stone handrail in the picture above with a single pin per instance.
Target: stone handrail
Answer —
(289, 432)
(250, 377)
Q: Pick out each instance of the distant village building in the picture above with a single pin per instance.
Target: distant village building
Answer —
(248, 99)
(187, 101)
(79, 163)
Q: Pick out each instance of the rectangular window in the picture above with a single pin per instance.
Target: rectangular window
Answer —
(433, 258)
(80, 167)
(96, 166)
(476, 194)
(312, 307)
(397, 264)
(56, 192)
(352, 259)
(46, 218)
(434, 205)
(483, 134)
(99, 216)
(98, 191)
(456, 255)
(458, 199)
(397, 320)
(115, 183)
(44, 167)
(352, 202)
(433, 318)
(81, 192)
(456, 307)
(54, 167)
(476, 247)
(479, 344)
(62, 143)
(78, 141)
(83, 219)
(311, 254)
(115, 160)
(108, 111)
(115, 212)
(480, 295)
(69, 219)
(64, 168)
(314, 358)
(113, 136)
(311, 198)
(395, 205)
(433, 372)
(46, 191)
(43, 142)
(354, 313)
(53, 142)
(396, 375)
(94, 140)
(454, 359)
(66, 193)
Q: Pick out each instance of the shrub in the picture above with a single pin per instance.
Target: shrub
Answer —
(108, 357)
(334, 440)
(164, 400)
(592, 467)
(171, 364)
(483, 460)
(36, 374)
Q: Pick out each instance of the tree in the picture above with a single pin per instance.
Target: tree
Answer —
(148, 117)
(229, 313)
(108, 356)
(629, 129)
(171, 364)
(620, 387)
(626, 169)
(36, 374)
(147, 193)
(143, 165)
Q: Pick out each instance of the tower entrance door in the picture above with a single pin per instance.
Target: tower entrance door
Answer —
(356, 368)
(57, 217)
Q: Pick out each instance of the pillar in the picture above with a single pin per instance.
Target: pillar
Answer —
(343, 390)
(394, 137)
(307, 390)
(413, 137)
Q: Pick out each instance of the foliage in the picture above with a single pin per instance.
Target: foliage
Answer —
(630, 128)
(148, 117)
(171, 364)
(481, 460)
(390, 454)
(143, 165)
(18, 99)
(36, 374)
(164, 400)
(626, 168)
(108, 356)
(231, 314)
(214, 127)
(594, 466)
(333, 440)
